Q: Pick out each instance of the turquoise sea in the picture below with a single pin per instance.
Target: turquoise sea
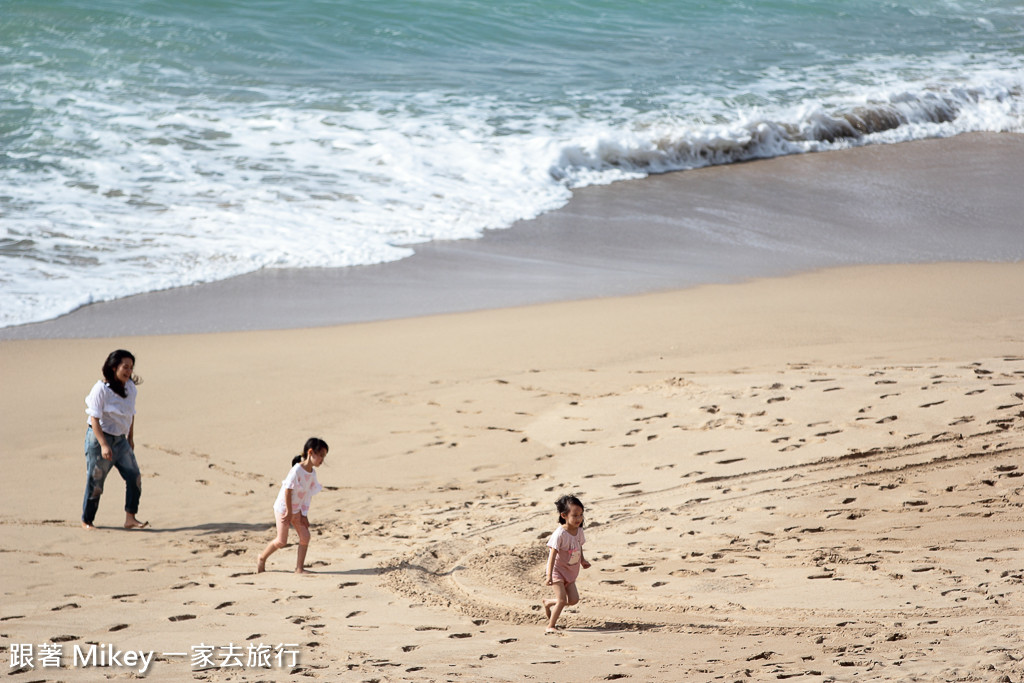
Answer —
(158, 143)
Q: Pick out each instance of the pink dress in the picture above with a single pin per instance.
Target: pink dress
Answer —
(569, 552)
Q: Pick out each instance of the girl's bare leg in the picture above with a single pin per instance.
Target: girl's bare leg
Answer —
(553, 608)
(272, 547)
(571, 594)
(302, 526)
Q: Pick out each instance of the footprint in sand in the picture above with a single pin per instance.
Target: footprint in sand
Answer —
(181, 617)
(118, 627)
(659, 416)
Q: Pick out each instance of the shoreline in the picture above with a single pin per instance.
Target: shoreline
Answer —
(953, 199)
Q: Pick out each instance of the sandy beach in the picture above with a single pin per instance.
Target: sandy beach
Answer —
(814, 476)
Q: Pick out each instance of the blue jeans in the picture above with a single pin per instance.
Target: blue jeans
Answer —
(97, 469)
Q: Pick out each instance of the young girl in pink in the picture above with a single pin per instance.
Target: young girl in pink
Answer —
(292, 505)
(565, 559)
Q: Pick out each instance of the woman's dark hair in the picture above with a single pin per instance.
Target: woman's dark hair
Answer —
(314, 443)
(110, 371)
(563, 503)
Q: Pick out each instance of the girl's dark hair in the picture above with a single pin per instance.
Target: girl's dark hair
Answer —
(314, 443)
(562, 505)
(110, 371)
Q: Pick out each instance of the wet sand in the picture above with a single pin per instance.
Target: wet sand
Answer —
(931, 200)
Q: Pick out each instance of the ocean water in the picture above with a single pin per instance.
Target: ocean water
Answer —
(148, 144)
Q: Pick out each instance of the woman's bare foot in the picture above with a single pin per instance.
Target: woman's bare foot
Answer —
(90, 527)
(553, 629)
(135, 524)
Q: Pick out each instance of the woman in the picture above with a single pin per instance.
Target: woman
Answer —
(110, 438)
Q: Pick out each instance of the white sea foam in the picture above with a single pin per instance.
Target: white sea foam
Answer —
(128, 196)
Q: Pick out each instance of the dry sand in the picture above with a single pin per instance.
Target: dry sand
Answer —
(813, 477)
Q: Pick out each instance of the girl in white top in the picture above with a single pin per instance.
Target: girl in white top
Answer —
(292, 505)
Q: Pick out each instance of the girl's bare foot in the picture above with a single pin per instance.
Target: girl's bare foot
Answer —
(261, 566)
(553, 629)
(547, 608)
(301, 571)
